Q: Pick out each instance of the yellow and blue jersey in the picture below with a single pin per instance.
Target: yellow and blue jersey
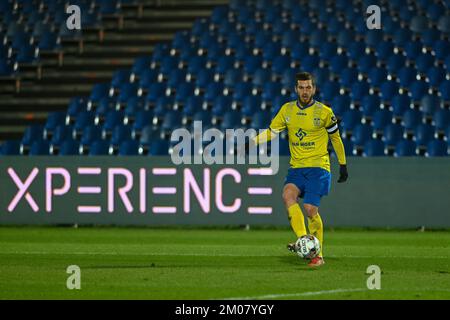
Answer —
(309, 129)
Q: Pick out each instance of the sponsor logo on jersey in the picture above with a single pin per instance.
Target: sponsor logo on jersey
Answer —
(300, 134)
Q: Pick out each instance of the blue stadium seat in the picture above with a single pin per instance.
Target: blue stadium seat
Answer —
(54, 120)
(444, 90)
(338, 63)
(204, 116)
(423, 134)
(330, 89)
(441, 119)
(184, 90)
(224, 63)
(402, 36)
(99, 91)
(413, 49)
(69, 147)
(327, 51)
(429, 104)
(242, 90)
(366, 62)
(350, 119)
(418, 24)
(120, 77)
(321, 75)
(193, 104)
(384, 49)
(195, 64)
(373, 39)
(127, 91)
(10, 148)
(348, 146)
(418, 90)
(140, 65)
(435, 11)
(120, 133)
(381, 119)
(260, 77)
(149, 134)
(405, 148)
(48, 41)
(171, 121)
(260, 120)
(340, 104)
(159, 147)
(389, 89)
(411, 119)
(400, 103)
(395, 63)
(369, 105)
(377, 76)
(155, 91)
(373, 148)
(280, 64)
(108, 7)
(147, 77)
(271, 89)
(90, 134)
(203, 79)
(424, 61)
(406, 75)
(392, 134)
(76, 105)
(345, 38)
(27, 54)
(105, 105)
(361, 134)
(436, 75)
(99, 148)
(441, 49)
(220, 105)
(213, 90)
(251, 104)
(356, 49)
(310, 62)
(112, 119)
(443, 24)
(32, 133)
(61, 133)
(129, 148)
(437, 148)
(232, 76)
(39, 148)
(430, 36)
(231, 120)
(358, 90)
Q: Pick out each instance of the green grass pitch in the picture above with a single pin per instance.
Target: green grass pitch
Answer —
(144, 263)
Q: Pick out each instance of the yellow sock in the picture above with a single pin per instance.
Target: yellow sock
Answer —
(315, 227)
(297, 220)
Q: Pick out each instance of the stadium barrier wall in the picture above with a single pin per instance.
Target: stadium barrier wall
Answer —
(380, 192)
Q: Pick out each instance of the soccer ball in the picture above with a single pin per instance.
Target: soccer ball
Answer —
(307, 247)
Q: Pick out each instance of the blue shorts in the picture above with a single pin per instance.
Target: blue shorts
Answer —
(313, 183)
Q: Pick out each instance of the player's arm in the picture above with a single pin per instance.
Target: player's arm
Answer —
(277, 125)
(338, 146)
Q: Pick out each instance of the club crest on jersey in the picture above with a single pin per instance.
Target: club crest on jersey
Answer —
(317, 122)
(300, 134)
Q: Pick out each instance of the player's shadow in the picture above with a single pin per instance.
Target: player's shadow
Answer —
(299, 263)
(148, 266)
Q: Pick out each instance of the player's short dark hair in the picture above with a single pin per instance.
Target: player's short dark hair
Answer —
(304, 76)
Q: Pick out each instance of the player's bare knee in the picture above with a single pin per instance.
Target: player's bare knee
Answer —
(311, 210)
(289, 198)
